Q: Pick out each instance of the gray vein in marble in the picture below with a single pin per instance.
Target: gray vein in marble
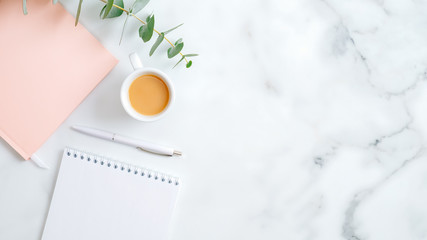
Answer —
(348, 228)
(381, 5)
(352, 41)
(362, 56)
(358, 52)
(319, 161)
(405, 127)
(322, 159)
(266, 76)
(421, 77)
(381, 139)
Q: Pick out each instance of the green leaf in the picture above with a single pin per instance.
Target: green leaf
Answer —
(189, 64)
(191, 55)
(180, 60)
(178, 41)
(102, 11)
(123, 30)
(24, 6)
(138, 5)
(170, 30)
(54, 1)
(146, 31)
(173, 51)
(115, 12)
(157, 43)
(78, 12)
(108, 8)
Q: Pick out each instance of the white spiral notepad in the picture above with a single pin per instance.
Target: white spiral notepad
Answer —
(99, 198)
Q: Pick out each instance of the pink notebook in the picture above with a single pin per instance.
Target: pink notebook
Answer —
(47, 68)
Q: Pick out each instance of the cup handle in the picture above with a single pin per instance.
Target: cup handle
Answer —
(135, 61)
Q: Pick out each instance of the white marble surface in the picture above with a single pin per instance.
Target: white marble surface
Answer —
(301, 119)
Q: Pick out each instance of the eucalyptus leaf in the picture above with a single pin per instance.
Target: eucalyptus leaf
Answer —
(178, 41)
(123, 30)
(24, 6)
(189, 64)
(191, 55)
(173, 51)
(102, 11)
(180, 60)
(108, 8)
(170, 30)
(138, 5)
(157, 43)
(146, 31)
(115, 12)
(78, 12)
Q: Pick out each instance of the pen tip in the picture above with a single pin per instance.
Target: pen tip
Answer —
(177, 153)
(76, 127)
(39, 162)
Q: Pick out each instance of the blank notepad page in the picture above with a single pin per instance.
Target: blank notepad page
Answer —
(98, 198)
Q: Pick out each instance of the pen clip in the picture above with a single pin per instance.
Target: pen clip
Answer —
(175, 152)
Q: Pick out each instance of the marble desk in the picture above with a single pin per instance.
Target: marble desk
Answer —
(300, 119)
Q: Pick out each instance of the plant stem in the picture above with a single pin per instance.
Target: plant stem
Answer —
(78, 12)
(143, 22)
(24, 6)
(123, 30)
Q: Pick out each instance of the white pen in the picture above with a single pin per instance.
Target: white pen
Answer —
(139, 144)
(38, 161)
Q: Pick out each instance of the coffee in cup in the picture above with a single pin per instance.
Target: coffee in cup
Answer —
(147, 93)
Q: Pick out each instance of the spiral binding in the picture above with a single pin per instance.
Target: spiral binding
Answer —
(137, 171)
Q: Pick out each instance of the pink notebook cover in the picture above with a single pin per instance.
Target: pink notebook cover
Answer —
(47, 68)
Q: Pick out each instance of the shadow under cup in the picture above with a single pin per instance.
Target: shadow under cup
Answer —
(147, 94)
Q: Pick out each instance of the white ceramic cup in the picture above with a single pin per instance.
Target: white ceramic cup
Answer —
(139, 70)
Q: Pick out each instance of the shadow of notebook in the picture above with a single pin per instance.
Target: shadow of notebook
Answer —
(47, 67)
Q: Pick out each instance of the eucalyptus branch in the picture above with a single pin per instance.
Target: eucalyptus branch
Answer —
(144, 31)
(115, 8)
(143, 22)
